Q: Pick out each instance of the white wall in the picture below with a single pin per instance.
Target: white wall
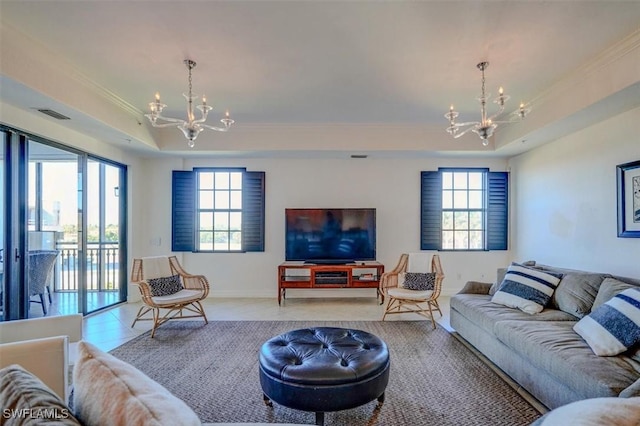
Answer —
(564, 203)
(392, 186)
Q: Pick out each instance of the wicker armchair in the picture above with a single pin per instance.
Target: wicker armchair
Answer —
(40, 269)
(402, 300)
(194, 289)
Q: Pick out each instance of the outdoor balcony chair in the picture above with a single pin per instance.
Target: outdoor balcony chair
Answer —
(40, 270)
(421, 295)
(165, 286)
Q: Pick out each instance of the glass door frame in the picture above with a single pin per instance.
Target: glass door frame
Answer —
(15, 295)
(122, 225)
(15, 181)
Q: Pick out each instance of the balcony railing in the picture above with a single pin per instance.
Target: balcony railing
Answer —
(103, 267)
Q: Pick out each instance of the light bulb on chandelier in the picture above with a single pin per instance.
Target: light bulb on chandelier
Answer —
(486, 126)
(191, 127)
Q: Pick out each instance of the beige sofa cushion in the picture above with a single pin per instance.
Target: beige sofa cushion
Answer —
(26, 400)
(479, 309)
(577, 292)
(609, 288)
(553, 347)
(108, 391)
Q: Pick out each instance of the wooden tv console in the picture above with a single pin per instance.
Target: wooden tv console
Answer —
(313, 276)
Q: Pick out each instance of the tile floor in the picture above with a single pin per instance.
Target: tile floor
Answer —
(111, 328)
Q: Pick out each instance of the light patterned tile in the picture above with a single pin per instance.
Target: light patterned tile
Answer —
(111, 328)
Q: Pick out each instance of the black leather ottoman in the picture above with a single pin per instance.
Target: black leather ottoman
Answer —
(324, 369)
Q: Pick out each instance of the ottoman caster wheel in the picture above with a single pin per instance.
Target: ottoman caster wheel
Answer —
(267, 401)
(380, 402)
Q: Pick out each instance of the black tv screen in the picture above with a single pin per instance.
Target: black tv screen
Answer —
(330, 235)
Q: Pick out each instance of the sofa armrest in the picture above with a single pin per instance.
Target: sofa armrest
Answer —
(38, 328)
(47, 358)
(475, 287)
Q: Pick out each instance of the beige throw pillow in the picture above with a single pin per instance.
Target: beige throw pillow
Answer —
(108, 391)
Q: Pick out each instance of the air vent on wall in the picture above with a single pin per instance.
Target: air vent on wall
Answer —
(54, 114)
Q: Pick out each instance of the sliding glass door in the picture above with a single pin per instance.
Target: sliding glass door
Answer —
(104, 234)
(53, 223)
(3, 147)
(64, 217)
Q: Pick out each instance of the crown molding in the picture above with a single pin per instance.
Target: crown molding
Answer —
(605, 58)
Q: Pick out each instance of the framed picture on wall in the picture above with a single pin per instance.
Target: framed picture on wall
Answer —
(628, 178)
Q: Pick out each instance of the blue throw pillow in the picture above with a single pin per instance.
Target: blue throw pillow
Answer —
(165, 286)
(527, 289)
(419, 281)
(613, 327)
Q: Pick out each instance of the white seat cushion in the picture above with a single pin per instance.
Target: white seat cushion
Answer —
(181, 296)
(403, 293)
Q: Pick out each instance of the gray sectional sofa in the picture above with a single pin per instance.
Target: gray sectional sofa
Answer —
(541, 352)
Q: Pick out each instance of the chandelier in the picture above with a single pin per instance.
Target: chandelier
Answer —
(190, 127)
(485, 127)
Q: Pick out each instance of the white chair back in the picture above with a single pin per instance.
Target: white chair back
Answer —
(156, 267)
(419, 262)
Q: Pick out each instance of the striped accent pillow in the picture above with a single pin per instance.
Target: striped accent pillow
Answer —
(613, 327)
(527, 289)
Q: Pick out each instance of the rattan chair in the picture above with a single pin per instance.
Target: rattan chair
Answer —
(402, 300)
(183, 304)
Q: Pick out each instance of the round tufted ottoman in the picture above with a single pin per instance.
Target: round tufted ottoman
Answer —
(324, 369)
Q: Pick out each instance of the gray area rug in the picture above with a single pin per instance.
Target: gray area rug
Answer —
(434, 380)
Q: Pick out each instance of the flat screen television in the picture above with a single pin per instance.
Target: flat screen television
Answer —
(332, 236)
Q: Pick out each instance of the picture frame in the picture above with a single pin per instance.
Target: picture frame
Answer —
(628, 183)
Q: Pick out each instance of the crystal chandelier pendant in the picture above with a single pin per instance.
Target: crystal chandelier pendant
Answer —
(191, 127)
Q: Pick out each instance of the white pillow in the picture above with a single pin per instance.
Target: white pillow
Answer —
(596, 412)
(108, 391)
(613, 327)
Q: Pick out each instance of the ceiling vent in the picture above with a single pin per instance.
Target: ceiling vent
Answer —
(54, 114)
(359, 156)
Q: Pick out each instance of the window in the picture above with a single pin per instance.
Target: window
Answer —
(464, 209)
(218, 210)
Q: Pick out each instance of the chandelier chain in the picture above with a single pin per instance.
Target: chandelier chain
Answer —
(483, 99)
(190, 116)
(190, 82)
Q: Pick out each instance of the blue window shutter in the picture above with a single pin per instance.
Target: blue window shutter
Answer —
(183, 206)
(431, 211)
(497, 210)
(253, 184)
